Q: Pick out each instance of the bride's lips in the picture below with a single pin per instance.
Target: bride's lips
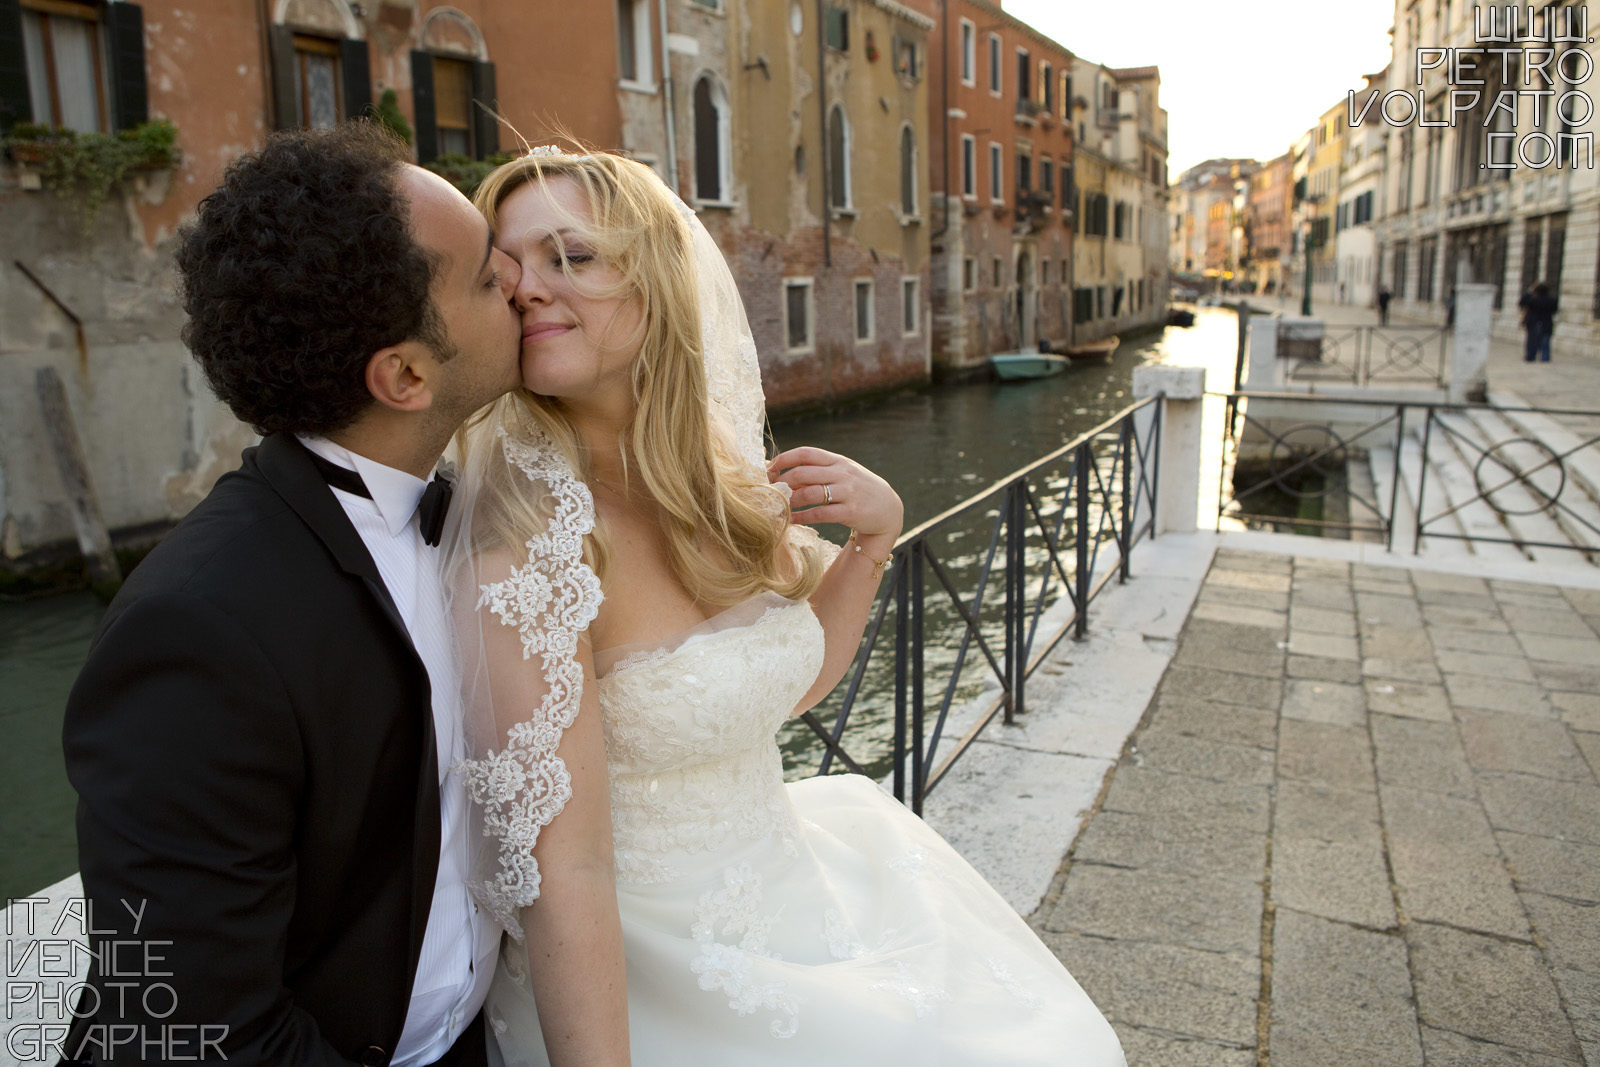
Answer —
(538, 331)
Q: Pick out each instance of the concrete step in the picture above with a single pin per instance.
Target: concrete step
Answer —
(1452, 487)
(1578, 505)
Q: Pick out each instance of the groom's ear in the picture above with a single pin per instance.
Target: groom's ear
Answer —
(398, 379)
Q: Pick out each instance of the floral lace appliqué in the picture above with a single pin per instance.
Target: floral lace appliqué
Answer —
(734, 910)
(1012, 984)
(924, 998)
(550, 601)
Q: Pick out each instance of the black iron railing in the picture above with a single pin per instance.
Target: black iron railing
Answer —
(1366, 355)
(1050, 530)
(1470, 472)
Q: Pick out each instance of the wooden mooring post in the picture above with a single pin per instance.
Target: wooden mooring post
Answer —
(94, 540)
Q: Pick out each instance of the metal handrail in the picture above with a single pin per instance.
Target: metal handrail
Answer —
(1106, 480)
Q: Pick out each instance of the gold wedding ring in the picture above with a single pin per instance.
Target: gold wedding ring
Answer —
(827, 493)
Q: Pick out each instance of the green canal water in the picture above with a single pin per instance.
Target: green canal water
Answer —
(937, 447)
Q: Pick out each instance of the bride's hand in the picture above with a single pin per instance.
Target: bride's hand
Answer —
(828, 487)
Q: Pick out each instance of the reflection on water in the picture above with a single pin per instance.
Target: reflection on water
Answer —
(938, 447)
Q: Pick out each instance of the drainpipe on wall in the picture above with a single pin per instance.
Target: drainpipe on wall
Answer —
(822, 113)
(667, 102)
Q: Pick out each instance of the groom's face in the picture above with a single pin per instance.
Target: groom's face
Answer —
(471, 291)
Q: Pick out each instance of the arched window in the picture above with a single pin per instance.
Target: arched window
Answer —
(453, 89)
(710, 139)
(320, 66)
(908, 171)
(838, 159)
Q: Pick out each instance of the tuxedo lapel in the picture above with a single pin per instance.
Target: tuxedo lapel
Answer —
(286, 465)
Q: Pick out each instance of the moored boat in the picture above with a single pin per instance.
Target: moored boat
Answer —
(1091, 350)
(1016, 366)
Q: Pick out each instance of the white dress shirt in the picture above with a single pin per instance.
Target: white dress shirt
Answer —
(459, 945)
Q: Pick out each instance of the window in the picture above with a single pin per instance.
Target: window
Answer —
(1427, 255)
(864, 309)
(81, 66)
(838, 29)
(1047, 96)
(838, 159)
(1047, 179)
(996, 174)
(453, 89)
(908, 172)
(709, 5)
(710, 140)
(994, 63)
(634, 53)
(1044, 272)
(910, 307)
(1119, 225)
(797, 314)
(969, 52)
(969, 277)
(1397, 272)
(969, 165)
(319, 79)
(997, 281)
(1066, 97)
(1024, 75)
(1082, 304)
(907, 58)
(1024, 173)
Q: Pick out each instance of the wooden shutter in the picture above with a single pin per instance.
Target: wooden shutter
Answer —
(356, 71)
(427, 123)
(130, 103)
(285, 92)
(485, 111)
(15, 105)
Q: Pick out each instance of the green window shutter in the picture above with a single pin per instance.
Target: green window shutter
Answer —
(15, 105)
(284, 102)
(130, 104)
(485, 111)
(356, 71)
(427, 123)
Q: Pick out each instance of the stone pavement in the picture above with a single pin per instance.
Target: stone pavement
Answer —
(1359, 823)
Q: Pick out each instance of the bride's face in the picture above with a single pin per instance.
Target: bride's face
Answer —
(579, 338)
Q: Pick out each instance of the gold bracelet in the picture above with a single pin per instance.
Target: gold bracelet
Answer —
(877, 564)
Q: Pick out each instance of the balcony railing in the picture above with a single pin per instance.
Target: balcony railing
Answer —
(940, 626)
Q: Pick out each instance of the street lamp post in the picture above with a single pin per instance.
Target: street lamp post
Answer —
(1305, 291)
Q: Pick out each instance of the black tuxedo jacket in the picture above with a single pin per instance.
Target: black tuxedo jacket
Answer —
(252, 744)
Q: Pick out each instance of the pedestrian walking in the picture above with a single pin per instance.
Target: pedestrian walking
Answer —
(1383, 305)
(1538, 322)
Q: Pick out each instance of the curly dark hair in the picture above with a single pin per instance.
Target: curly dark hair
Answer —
(299, 267)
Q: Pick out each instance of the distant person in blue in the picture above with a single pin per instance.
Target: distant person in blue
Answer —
(1538, 321)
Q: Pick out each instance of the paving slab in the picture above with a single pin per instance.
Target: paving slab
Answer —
(1321, 754)
(1336, 880)
(1445, 581)
(1422, 755)
(1196, 717)
(1580, 651)
(1171, 841)
(1488, 988)
(1166, 749)
(1321, 620)
(1397, 642)
(1324, 595)
(1223, 686)
(1494, 665)
(1544, 621)
(1580, 992)
(1378, 609)
(1257, 576)
(1334, 646)
(1581, 711)
(1274, 619)
(1179, 991)
(1323, 669)
(1191, 910)
(1463, 639)
(1316, 812)
(1569, 932)
(1495, 741)
(1589, 745)
(1412, 700)
(1488, 621)
(1330, 702)
(1584, 601)
(1419, 669)
(1496, 694)
(1141, 790)
(1238, 596)
(1445, 1049)
(1542, 806)
(1149, 1048)
(1567, 677)
(1553, 866)
(1358, 1014)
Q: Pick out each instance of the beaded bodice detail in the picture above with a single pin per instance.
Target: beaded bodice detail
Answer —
(691, 740)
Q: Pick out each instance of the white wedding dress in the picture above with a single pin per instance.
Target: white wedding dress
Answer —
(818, 922)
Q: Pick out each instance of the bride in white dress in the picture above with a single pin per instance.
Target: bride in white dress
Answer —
(639, 613)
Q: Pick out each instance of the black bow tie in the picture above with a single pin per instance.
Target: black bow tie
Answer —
(430, 512)
(435, 505)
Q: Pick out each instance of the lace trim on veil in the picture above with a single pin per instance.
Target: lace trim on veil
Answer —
(550, 601)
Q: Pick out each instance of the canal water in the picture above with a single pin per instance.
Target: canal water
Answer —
(937, 446)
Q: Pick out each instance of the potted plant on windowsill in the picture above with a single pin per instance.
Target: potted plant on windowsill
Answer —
(83, 168)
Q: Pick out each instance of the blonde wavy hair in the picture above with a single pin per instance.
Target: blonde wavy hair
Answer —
(727, 530)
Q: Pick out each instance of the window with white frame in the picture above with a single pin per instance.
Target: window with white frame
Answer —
(797, 313)
(838, 159)
(910, 307)
(864, 310)
(969, 166)
(634, 52)
(997, 173)
(994, 63)
(711, 156)
(908, 172)
(969, 52)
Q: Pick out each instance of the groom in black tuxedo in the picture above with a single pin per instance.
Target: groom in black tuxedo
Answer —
(271, 841)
